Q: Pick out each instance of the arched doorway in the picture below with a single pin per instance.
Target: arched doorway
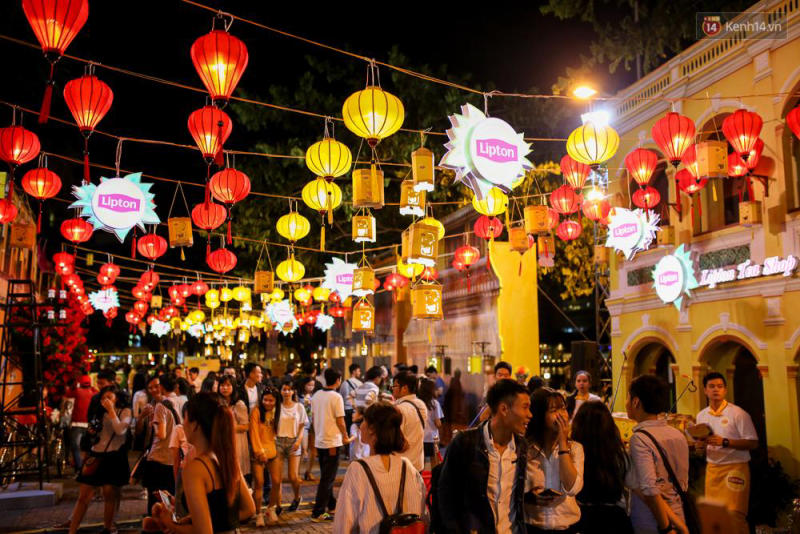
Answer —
(655, 358)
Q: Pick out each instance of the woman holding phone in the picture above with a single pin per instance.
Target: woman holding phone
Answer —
(555, 467)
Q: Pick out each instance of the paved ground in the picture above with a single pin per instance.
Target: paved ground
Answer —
(132, 507)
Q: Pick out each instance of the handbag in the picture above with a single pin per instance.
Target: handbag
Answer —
(690, 515)
(90, 466)
(398, 522)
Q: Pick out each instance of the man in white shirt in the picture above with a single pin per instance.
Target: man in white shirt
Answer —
(348, 390)
(727, 449)
(250, 391)
(404, 389)
(327, 413)
(370, 391)
(194, 379)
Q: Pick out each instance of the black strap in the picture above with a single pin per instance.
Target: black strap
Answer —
(213, 481)
(399, 506)
(419, 414)
(672, 478)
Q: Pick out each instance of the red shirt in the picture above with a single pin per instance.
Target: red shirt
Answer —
(82, 398)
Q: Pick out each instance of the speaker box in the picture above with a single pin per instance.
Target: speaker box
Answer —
(586, 357)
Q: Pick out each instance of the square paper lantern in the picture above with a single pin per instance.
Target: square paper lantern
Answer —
(750, 212)
(422, 169)
(363, 317)
(363, 228)
(23, 236)
(666, 237)
(426, 301)
(411, 202)
(421, 245)
(536, 219)
(712, 159)
(180, 232)
(155, 301)
(368, 188)
(264, 282)
(518, 239)
(363, 281)
(600, 255)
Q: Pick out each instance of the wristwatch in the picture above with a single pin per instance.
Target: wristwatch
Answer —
(725, 442)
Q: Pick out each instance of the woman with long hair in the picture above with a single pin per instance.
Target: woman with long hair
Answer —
(262, 438)
(216, 494)
(554, 469)
(290, 421)
(606, 465)
(582, 393)
(357, 507)
(107, 464)
(226, 387)
(433, 423)
(209, 384)
(305, 391)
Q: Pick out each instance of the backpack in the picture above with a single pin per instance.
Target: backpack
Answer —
(398, 522)
(436, 526)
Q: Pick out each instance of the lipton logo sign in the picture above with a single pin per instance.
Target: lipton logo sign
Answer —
(118, 203)
(625, 230)
(496, 150)
(668, 278)
(630, 231)
(673, 277)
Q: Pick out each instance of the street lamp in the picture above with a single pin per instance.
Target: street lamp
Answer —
(584, 92)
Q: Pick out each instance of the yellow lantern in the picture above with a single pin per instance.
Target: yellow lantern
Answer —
(329, 158)
(212, 294)
(321, 294)
(422, 169)
(368, 188)
(411, 202)
(241, 293)
(196, 317)
(409, 270)
(363, 228)
(180, 232)
(263, 282)
(293, 226)
(277, 294)
(430, 221)
(225, 295)
(302, 295)
(373, 114)
(494, 203)
(290, 270)
(363, 317)
(592, 143)
(155, 301)
(420, 244)
(321, 195)
(536, 219)
(518, 239)
(426, 301)
(363, 281)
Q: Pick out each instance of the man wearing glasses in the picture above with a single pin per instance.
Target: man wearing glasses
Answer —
(414, 411)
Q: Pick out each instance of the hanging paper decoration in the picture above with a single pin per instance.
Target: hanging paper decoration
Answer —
(210, 128)
(565, 200)
(493, 203)
(221, 260)
(708, 159)
(569, 230)
(208, 216)
(282, 315)
(485, 152)
(88, 99)
(539, 219)
(290, 270)
(263, 282)
(594, 142)
(329, 158)
(373, 114)
(793, 121)
(324, 322)
(76, 230)
(741, 129)
(339, 278)
(41, 184)
(55, 24)
(687, 183)
(673, 134)
(117, 204)
(293, 226)
(368, 190)
(363, 228)
(104, 300)
(323, 197)
(648, 197)
(230, 186)
(673, 277)
(574, 172)
(152, 246)
(641, 163)
(411, 202)
(631, 231)
(363, 317)
(426, 301)
(363, 281)
(422, 169)
(420, 244)
(220, 59)
(159, 328)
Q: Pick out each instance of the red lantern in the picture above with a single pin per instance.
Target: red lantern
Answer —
(208, 216)
(755, 155)
(55, 23)
(8, 211)
(199, 288)
(574, 172)
(18, 146)
(310, 318)
(170, 312)
(741, 129)
(689, 159)
(185, 290)
(488, 227)
(87, 309)
(640, 164)
(230, 186)
(673, 134)
(210, 128)
(174, 292)
(565, 200)
(140, 293)
(152, 246)
(466, 255)
(221, 260)
(63, 258)
(149, 280)
(110, 270)
(457, 265)
(596, 209)
(41, 184)
(220, 60)
(569, 230)
(736, 166)
(395, 281)
(140, 307)
(76, 230)
(793, 121)
(648, 197)
(110, 313)
(104, 280)
(88, 99)
(151, 319)
(429, 274)
(688, 183)
(77, 289)
(132, 317)
(337, 311)
(71, 279)
(178, 300)
(335, 297)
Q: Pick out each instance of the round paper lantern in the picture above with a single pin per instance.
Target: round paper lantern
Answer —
(466, 255)
(736, 166)
(140, 307)
(488, 227)
(321, 294)
(741, 129)
(640, 164)
(337, 311)
(494, 203)
(321, 195)
(409, 270)
(70, 279)
(302, 295)
(429, 274)
(596, 209)
(220, 60)
(230, 186)
(140, 293)
(329, 158)
(569, 230)
(76, 230)
(565, 200)
(210, 128)
(209, 215)
(592, 144)
(110, 313)
(373, 114)
(241, 294)
(18, 145)
(63, 258)
(395, 281)
(88, 99)
(673, 134)
(293, 226)
(199, 288)
(221, 260)
(41, 183)
(647, 197)
(132, 317)
(688, 183)
(151, 246)
(755, 154)
(290, 270)
(793, 121)
(574, 172)
(149, 280)
(8, 211)
(185, 290)
(110, 270)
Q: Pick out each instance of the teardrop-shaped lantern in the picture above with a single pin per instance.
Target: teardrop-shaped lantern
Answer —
(373, 114)
(210, 128)
(741, 129)
(640, 164)
(220, 60)
(673, 133)
(574, 172)
(88, 99)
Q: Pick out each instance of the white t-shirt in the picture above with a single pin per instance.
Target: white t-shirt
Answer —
(733, 423)
(358, 449)
(347, 391)
(292, 421)
(326, 406)
(252, 396)
(413, 429)
(431, 432)
(579, 402)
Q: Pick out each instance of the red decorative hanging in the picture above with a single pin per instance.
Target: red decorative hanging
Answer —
(210, 128)
(149, 280)
(337, 311)
(429, 274)
(88, 99)
(565, 200)
(647, 198)
(185, 290)
(737, 167)
(140, 293)
(199, 288)
(569, 230)
(395, 281)
(688, 183)
(63, 259)
(76, 230)
(140, 307)
(8, 211)
(741, 129)
(110, 270)
(755, 155)
(689, 159)
(209, 216)
(18, 146)
(596, 209)
(41, 183)
(574, 172)
(221, 260)
(55, 23)
(673, 134)
(220, 60)
(152, 246)
(488, 227)
(640, 164)
(793, 121)
(466, 255)
(71, 279)
(335, 297)
(132, 317)
(229, 186)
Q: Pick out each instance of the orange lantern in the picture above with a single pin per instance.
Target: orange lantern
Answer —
(208, 216)
(741, 129)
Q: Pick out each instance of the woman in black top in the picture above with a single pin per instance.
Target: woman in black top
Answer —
(605, 467)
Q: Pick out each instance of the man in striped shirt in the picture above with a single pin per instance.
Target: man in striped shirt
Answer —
(414, 414)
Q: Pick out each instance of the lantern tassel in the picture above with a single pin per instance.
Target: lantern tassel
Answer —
(44, 112)
(322, 238)
(86, 175)
(133, 245)
(183, 256)
(208, 245)
(39, 220)
(219, 158)
(229, 237)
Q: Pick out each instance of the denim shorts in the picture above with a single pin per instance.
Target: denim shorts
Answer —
(284, 446)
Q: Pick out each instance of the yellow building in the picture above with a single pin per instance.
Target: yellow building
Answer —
(747, 329)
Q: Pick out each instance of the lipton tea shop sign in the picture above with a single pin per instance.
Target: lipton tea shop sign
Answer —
(748, 269)
(673, 277)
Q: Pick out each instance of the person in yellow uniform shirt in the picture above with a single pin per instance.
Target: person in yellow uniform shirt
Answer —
(732, 436)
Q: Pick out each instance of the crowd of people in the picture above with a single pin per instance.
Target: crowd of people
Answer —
(212, 451)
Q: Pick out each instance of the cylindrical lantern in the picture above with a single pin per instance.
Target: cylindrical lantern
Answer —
(422, 169)
(363, 281)
(426, 301)
(264, 282)
(423, 244)
(518, 239)
(220, 60)
(363, 317)
(711, 159)
(536, 219)
(363, 228)
(368, 188)
(412, 202)
(180, 232)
